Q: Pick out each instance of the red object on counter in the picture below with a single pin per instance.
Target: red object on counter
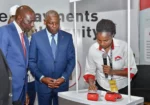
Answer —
(93, 96)
(112, 96)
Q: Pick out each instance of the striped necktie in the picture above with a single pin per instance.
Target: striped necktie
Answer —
(23, 43)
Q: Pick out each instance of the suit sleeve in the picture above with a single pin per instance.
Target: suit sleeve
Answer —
(70, 60)
(33, 58)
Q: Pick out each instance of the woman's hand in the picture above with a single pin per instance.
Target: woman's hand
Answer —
(107, 69)
(92, 86)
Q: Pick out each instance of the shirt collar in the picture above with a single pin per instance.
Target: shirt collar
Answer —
(50, 35)
(114, 44)
(19, 30)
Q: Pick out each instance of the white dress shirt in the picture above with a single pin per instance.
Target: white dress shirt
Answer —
(94, 62)
(50, 37)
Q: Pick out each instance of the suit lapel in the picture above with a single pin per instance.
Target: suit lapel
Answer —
(46, 43)
(60, 37)
(17, 39)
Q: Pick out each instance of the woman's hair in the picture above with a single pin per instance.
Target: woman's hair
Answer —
(106, 25)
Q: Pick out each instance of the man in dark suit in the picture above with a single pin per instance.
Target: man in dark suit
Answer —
(51, 59)
(5, 82)
(15, 47)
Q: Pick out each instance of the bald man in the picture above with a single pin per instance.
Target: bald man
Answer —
(51, 59)
(15, 47)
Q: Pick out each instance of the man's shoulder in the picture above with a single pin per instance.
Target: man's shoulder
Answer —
(65, 33)
(39, 33)
(6, 29)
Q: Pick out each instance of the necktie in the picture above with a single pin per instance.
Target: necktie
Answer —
(53, 45)
(23, 44)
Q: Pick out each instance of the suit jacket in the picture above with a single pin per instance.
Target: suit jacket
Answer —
(5, 82)
(41, 61)
(12, 49)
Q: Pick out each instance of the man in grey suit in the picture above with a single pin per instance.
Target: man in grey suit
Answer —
(5, 82)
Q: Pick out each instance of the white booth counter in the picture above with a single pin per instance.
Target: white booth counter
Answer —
(80, 98)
